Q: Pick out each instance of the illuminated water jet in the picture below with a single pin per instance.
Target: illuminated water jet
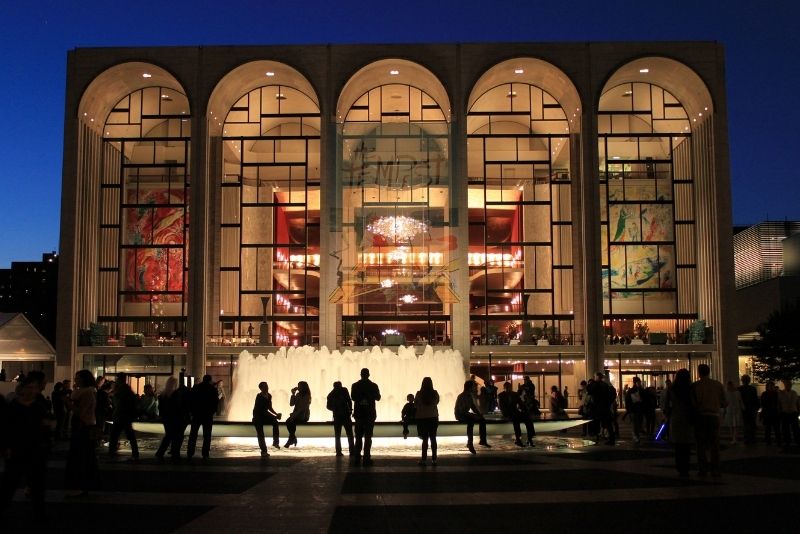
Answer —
(397, 375)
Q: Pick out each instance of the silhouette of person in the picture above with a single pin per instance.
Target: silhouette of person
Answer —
(81, 471)
(408, 414)
(680, 413)
(341, 406)
(365, 394)
(708, 396)
(301, 400)
(512, 408)
(124, 400)
(426, 401)
(466, 411)
(264, 414)
(174, 412)
(204, 399)
(27, 440)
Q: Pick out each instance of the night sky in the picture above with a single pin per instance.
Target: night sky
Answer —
(760, 38)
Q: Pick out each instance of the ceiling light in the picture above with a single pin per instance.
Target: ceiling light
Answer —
(511, 94)
(147, 75)
(408, 299)
(270, 73)
(394, 72)
(518, 71)
(627, 93)
(280, 96)
(387, 283)
(399, 228)
(644, 71)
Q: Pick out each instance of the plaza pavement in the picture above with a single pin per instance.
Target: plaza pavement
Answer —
(563, 485)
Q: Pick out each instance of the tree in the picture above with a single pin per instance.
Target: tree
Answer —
(777, 351)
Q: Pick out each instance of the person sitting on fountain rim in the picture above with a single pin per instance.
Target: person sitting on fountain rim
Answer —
(512, 408)
(408, 414)
(301, 400)
(264, 414)
(467, 412)
(341, 406)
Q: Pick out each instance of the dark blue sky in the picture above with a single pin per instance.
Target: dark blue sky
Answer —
(761, 40)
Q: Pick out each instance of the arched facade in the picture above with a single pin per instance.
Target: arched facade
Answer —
(505, 201)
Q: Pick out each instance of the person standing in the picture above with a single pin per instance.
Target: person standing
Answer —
(467, 412)
(173, 417)
(512, 408)
(341, 407)
(566, 397)
(709, 399)
(301, 400)
(222, 398)
(264, 414)
(365, 394)
(750, 406)
(733, 412)
(426, 402)
(57, 398)
(27, 441)
(124, 401)
(790, 406)
(771, 414)
(635, 406)
(81, 470)
(204, 401)
(679, 411)
(602, 399)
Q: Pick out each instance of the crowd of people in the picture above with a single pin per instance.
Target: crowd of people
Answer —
(89, 410)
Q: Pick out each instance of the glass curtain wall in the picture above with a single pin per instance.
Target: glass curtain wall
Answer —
(144, 220)
(393, 265)
(648, 215)
(520, 218)
(269, 246)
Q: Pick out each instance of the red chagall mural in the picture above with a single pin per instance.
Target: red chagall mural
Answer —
(160, 222)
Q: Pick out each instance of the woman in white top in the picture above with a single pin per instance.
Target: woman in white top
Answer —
(733, 412)
(427, 418)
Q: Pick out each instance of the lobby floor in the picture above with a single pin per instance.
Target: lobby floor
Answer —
(564, 484)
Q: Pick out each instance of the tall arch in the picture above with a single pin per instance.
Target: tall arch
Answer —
(134, 135)
(266, 118)
(394, 242)
(522, 117)
(655, 117)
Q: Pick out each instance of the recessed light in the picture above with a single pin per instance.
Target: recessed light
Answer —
(644, 71)
(394, 72)
(518, 71)
(270, 73)
(147, 75)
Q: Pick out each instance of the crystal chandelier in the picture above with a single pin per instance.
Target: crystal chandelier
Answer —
(397, 228)
(408, 299)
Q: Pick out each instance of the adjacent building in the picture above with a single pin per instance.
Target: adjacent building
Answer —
(554, 209)
(30, 287)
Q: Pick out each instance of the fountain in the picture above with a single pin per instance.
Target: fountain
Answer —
(397, 375)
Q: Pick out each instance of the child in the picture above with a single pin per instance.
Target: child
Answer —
(408, 414)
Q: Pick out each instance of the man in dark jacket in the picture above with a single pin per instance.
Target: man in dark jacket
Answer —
(203, 401)
(124, 401)
(750, 406)
(25, 422)
(365, 394)
(341, 406)
(603, 401)
(512, 408)
(468, 413)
